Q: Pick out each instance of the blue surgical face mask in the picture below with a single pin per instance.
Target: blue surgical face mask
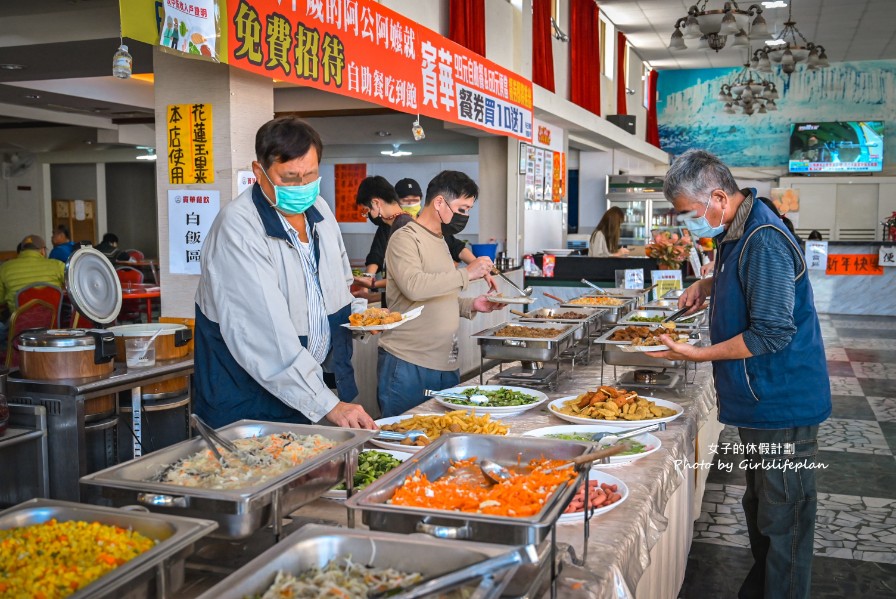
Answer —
(700, 227)
(294, 199)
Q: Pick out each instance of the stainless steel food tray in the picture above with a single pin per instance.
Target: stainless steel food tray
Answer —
(695, 321)
(315, 545)
(662, 304)
(156, 573)
(589, 318)
(434, 460)
(611, 314)
(617, 357)
(526, 348)
(239, 512)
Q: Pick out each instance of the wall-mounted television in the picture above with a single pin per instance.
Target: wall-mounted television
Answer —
(841, 147)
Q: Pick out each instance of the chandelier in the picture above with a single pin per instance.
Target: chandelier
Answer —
(750, 94)
(712, 28)
(789, 48)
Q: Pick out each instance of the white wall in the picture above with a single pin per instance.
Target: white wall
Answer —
(429, 13)
(594, 167)
(20, 208)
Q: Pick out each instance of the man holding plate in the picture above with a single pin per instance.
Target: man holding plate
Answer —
(422, 353)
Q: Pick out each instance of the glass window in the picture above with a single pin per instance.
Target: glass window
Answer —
(608, 50)
(645, 88)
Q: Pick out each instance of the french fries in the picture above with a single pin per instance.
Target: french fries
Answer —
(459, 421)
(609, 403)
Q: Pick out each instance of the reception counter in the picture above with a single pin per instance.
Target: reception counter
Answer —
(870, 295)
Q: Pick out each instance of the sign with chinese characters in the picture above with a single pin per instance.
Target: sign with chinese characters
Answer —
(361, 49)
(190, 216)
(853, 264)
(665, 281)
(816, 255)
(539, 174)
(630, 278)
(886, 255)
(244, 180)
(530, 172)
(190, 154)
(557, 182)
(189, 26)
(549, 177)
(347, 179)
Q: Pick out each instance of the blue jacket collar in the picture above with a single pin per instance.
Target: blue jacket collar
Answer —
(268, 214)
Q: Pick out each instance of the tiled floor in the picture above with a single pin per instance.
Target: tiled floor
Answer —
(855, 537)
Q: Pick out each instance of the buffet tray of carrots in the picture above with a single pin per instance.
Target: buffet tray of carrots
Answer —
(441, 490)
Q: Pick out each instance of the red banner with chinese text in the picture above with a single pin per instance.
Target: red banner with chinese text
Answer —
(361, 49)
(347, 179)
(853, 264)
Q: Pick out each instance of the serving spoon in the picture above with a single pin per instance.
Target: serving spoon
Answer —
(524, 292)
(608, 438)
(477, 398)
(497, 473)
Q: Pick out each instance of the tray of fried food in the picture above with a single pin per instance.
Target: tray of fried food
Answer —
(380, 319)
(434, 425)
(612, 404)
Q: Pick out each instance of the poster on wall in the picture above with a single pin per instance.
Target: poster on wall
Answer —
(549, 177)
(816, 255)
(190, 152)
(530, 172)
(785, 199)
(539, 174)
(244, 180)
(347, 179)
(188, 26)
(557, 179)
(665, 281)
(190, 216)
(853, 265)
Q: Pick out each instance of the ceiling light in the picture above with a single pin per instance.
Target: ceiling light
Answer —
(775, 4)
(12, 67)
(150, 153)
(382, 133)
(395, 152)
(775, 43)
(712, 27)
(33, 96)
(749, 91)
(790, 47)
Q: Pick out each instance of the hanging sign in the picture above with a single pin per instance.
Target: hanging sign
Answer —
(188, 26)
(853, 265)
(190, 154)
(347, 179)
(630, 278)
(816, 255)
(190, 216)
(361, 49)
(886, 255)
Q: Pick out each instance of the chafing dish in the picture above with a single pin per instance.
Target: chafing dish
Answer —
(239, 512)
(158, 572)
(535, 349)
(673, 294)
(687, 322)
(617, 357)
(434, 460)
(662, 304)
(611, 314)
(589, 318)
(315, 545)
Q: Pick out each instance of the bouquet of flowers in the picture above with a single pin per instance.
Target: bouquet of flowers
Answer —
(669, 249)
(890, 223)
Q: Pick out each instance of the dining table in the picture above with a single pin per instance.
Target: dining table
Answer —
(142, 291)
(150, 264)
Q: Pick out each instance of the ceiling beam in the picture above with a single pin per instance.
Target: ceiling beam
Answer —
(52, 116)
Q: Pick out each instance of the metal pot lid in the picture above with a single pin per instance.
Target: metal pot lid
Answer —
(75, 338)
(93, 285)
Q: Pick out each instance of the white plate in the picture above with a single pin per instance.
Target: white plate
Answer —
(601, 477)
(648, 348)
(396, 445)
(558, 252)
(496, 411)
(340, 493)
(557, 403)
(510, 300)
(652, 442)
(410, 315)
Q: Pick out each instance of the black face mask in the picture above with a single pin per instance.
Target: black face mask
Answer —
(456, 224)
(377, 220)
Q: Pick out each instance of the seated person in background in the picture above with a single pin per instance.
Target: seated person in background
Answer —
(109, 247)
(814, 235)
(30, 266)
(63, 246)
(605, 238)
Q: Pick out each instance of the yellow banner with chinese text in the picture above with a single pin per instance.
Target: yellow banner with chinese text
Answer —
(190, 151)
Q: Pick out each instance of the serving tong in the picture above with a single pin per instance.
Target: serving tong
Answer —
(413, 435)
(477, 398)
(213, 439)
(523, 292)
(608, 438)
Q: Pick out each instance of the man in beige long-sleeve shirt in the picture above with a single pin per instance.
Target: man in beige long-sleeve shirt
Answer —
(422, 354)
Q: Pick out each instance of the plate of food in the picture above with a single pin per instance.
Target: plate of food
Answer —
(372, 464)
(622, 408)
(635, 448)
(380, 319)
(499, 298)
(501, 400)
(606, 493)
(433, 425)
(638, 338)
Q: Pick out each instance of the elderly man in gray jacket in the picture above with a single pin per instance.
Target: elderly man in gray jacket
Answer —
(273, 295)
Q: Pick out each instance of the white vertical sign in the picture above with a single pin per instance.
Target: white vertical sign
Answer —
(817, 255)
(886, 255)
(244, 180)
(190, 216)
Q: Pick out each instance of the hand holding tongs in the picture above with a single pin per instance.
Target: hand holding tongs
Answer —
(428, 587)
(681, 313)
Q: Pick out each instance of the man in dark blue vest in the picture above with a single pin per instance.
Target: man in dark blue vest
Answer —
(768, 362)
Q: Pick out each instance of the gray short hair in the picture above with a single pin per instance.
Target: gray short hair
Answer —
(695, 174)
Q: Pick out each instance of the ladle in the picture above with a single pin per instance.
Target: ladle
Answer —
(524, 292)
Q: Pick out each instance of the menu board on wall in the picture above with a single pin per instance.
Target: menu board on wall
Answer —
(548, 176)
(530, 172)
(539, 174)
(190, 216)
(190, 152)
(347, 179)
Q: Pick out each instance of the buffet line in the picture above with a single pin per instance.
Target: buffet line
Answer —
(476, 493)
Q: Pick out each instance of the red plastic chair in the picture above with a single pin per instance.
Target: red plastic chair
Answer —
(43, 291)
(131, 310)
(135, 254)
(34, 314)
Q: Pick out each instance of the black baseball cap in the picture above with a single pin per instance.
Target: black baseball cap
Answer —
(408, 187)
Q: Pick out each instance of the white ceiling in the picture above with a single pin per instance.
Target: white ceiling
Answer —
(848, 29)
